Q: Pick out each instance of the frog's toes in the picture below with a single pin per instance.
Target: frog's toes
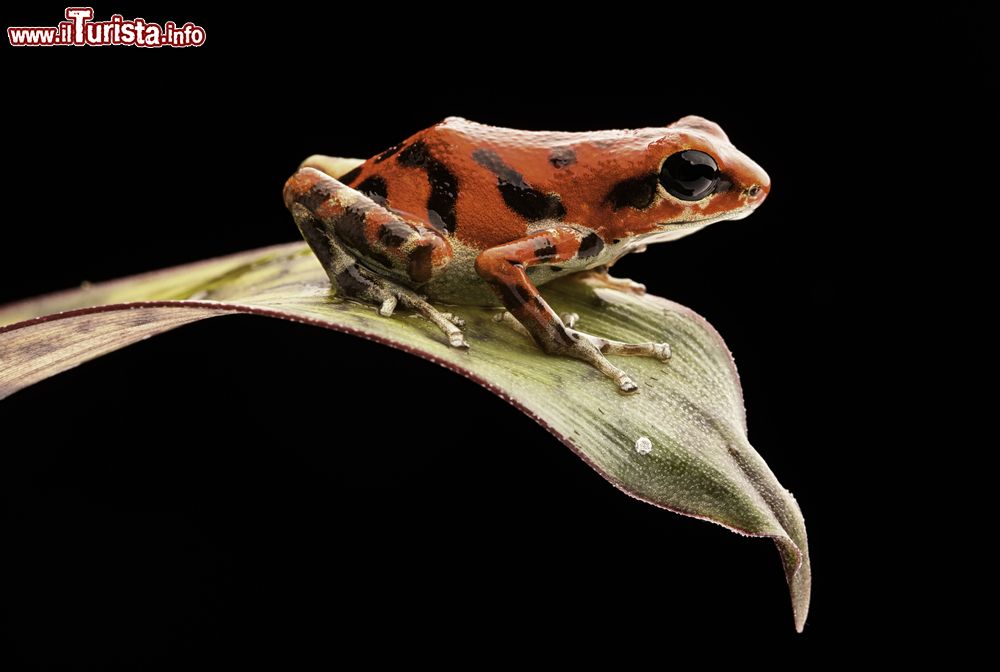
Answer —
(599, 277)
(505, 317)
(627, 385)
(454, 319)
(446, 322)
(660, 351)
(570, 319)
(388, 305)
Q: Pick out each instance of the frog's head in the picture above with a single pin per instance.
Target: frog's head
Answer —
(705, 175)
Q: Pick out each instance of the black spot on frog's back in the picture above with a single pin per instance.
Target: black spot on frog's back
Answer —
(350, 175)
(527, 201)
(443, 183)
(530, 203)
(375, 188)
(414, 156)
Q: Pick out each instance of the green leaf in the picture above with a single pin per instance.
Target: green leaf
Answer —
(695, 459)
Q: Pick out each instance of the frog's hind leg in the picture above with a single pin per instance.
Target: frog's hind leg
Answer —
(328, 212)
(357, 282)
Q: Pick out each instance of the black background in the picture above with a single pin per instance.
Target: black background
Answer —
(192, 497)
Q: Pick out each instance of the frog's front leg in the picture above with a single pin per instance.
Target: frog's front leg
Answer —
(502, 267)
(342, 225)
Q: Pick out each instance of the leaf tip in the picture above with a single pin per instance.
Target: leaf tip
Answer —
(798, 572)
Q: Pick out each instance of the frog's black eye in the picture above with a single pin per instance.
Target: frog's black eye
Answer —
(689, 175)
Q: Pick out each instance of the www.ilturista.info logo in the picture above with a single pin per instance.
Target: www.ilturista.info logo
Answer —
(79, 30)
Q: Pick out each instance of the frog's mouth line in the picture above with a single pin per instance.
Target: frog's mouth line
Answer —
(675, 230)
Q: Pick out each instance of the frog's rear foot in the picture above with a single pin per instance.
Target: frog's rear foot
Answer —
(358, 282)
(366, 286)
(449, 323)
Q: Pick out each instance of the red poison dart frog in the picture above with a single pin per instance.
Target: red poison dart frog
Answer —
(469, 214)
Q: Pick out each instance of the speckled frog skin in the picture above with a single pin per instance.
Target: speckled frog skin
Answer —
(469, 214)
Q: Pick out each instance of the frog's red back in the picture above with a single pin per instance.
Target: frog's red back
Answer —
(487, 185)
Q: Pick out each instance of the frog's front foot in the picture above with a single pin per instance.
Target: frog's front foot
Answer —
(592, 349)
(503, 268)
